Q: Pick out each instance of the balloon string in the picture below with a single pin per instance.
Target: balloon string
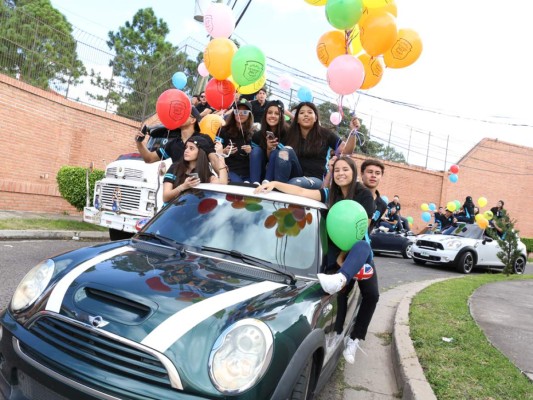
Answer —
(339, 106)
(347, 40)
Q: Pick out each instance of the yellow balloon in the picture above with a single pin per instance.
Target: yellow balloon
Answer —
(252, 87)
(405, 51)
(482, 202)
(424, 207)
(210, 125)
(354, 41)
(378, 33)
(451, 206)
(330, 45)
(488, 215)
(373, 71)
(217, 57)
(376, 3)
(389, 7)
(316, 2)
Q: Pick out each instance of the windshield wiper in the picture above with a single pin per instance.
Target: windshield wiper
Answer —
(256, 260)
(162, 239)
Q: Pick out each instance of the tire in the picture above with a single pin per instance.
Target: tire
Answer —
(419, 262)
(465, 263)
(115, 234)
(519, 266)
(406, 250)
(305, 386)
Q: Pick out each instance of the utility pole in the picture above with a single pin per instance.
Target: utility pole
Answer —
(446, 153)
(427, 152)
(409, 145)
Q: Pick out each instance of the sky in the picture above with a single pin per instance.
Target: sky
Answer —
(473, 79)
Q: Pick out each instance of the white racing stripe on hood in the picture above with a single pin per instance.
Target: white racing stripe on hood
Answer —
(56, 298)
(174, 327)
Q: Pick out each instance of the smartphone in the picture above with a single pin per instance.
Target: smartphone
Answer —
(270, 135)
(194, 175)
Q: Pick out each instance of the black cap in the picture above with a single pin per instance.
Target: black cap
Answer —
(201, 143)
(244, 102)
(276, 103)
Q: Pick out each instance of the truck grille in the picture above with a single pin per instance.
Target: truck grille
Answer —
(129, 173)
(130, 197)
(99, 351)
(429, 245)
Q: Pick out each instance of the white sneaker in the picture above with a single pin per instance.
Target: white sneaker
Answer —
(265, 181)
(331, 283)
(350, 347)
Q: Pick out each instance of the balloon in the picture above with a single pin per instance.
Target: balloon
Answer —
(451, 206)
(378, 33)
(179, 80)
(386, 6)
(285, 82)
(202, 70)
(354, 41)
(385, 199)
(453, 178)
(343, 14)
(424, 207)
(173, 108)
(330, 45)
(432, 207)
(426, 216)
(346, 223)
(254, 87)
(454, 169)
(248, 65)
(317, 2)
(219, 94)
(373, 70)
(488, 215)
(345, 74)
(457, 204)
(305, 94)
(218, 56)
(335, 118)
(482, 201)
(410, 220)
(219, 21)
(376, 3)
(405, 51)
(482, 222)
(210, 125)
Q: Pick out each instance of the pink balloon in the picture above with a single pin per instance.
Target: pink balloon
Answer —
(285, 82)
(335, 118)
(219, 21)
(202, 69)
(345, 74)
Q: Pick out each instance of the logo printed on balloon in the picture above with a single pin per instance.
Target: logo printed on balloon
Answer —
(176, 110)
(208, 23)
(225, 88)
(401, 49)
(253, 70)
(322, 53)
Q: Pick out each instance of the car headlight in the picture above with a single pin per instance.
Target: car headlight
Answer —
(151, 195)
(32, 285)
(453, 244)
(240, 356)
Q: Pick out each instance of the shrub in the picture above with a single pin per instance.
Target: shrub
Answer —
(72, 186)
(529, 244)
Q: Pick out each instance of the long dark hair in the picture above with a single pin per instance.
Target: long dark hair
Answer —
(335, 192)
(280, 130)
(233, 127)
(315, 140)
(202, 168)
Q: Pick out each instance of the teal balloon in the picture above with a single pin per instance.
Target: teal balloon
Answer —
(179, 80)
(453, 178)
(344, 14)
(305, 94)
(248, 65)
(432, 207)
(426, 216)
(347, 223)
(385, 199)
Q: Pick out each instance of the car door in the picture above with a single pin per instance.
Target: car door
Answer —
(486, 251)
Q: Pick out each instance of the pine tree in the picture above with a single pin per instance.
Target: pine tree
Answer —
(508, 240)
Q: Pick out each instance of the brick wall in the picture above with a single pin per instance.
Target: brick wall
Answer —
(47, 132)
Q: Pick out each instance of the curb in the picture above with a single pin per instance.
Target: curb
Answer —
(53, 235)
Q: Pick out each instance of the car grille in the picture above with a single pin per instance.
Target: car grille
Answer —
(429, 245)
(129, 173)
(100, 351)
(130, 197)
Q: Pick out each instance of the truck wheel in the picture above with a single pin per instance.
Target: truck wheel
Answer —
(519, 266)
(465, 263)
(115, 234)
(305, 386)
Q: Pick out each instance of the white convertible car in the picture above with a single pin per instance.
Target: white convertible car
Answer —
(465, 247)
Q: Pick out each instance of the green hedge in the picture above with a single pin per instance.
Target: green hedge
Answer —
(71, 182)
(529, 244)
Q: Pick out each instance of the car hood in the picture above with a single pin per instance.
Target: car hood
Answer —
(445, 238)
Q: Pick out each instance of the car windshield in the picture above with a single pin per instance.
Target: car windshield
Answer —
(280, 233)
(471, 231)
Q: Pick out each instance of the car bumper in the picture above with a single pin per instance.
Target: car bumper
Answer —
(434, 256)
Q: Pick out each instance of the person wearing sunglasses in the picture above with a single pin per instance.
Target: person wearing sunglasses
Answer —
(203, 107)
(266, 141)
(235, 137)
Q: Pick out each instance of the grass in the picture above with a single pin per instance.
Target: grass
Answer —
(48, 224)
(469, 367)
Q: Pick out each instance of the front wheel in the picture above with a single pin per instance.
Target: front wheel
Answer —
(465, 264)
(115, 234)
(305, 386)
(406, 250)
(519, 266)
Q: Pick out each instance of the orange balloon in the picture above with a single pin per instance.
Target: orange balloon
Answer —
(355, 41)
(378, 33)
(405, 51)
(378, 7)
(217, 57)
(373, 70)
(330, 45)
(210, 125)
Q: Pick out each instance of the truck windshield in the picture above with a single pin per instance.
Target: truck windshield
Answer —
(280, 233)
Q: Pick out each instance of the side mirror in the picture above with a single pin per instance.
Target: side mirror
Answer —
(486, 240)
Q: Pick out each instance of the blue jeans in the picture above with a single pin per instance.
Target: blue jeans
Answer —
(233, 177)
(287, 169)
(257, 164)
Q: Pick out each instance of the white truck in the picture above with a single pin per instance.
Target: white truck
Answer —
(131, 191)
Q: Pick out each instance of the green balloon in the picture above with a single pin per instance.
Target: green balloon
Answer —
(458, 205)
(347, 223)
(410, 220)
(344, 14)
(247, 65)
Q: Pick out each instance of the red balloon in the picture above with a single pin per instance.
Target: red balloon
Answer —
(173, 107)
(207, 205)
(220, 94)
(454, 169)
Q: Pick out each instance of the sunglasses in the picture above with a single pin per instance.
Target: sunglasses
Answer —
(241, 112)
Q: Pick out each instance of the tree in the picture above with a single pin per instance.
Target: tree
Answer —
(507, 241)
(142, 67)
(37, 45)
